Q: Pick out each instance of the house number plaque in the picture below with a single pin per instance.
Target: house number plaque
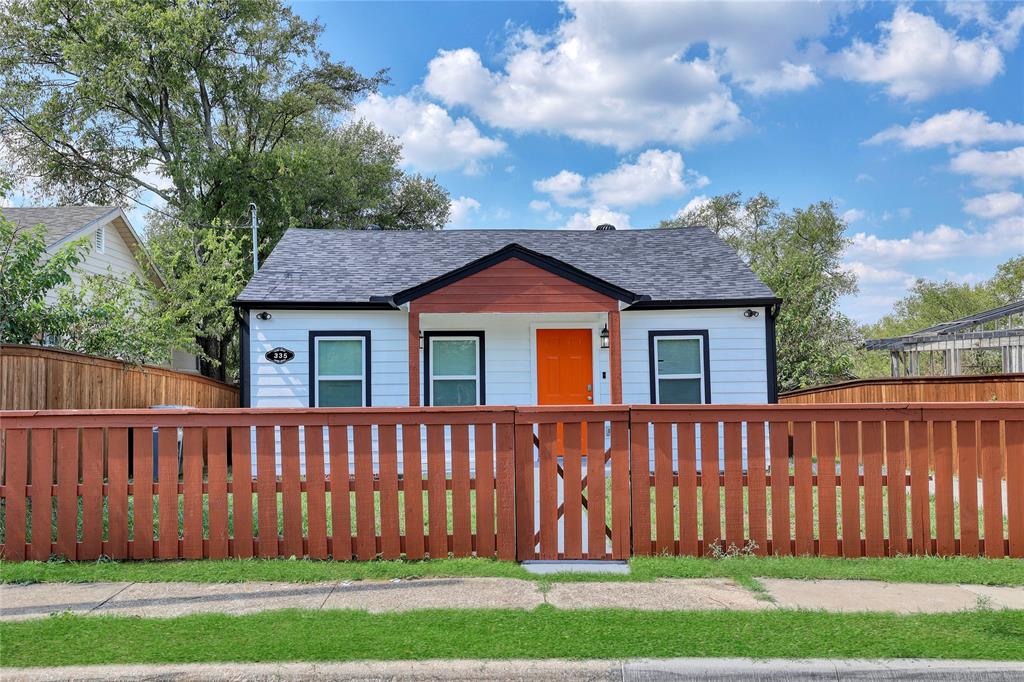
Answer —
(279, 355)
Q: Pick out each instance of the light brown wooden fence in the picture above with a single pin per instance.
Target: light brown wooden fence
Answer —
(996, 387)
(532, 482)
(36, 378)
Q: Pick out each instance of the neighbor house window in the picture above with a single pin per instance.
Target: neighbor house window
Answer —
(679, 367)
(340, 372)
(454, 368)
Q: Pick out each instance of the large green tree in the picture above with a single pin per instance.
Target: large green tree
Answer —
(208, 106)
(798, 254)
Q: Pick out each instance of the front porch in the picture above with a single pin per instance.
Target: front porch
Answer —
(516, 358)
(553, 335)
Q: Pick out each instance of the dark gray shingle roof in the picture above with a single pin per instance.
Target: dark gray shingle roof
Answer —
(351, 266)
(59, 221)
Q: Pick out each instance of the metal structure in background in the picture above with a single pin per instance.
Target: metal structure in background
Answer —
(957, 347)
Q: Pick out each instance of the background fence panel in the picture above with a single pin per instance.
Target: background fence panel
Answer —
(39, 378)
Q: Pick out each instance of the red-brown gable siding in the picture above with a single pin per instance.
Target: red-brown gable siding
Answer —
(513, 286)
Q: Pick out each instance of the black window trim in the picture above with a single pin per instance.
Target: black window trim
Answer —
(481, 370)
(314, 335)
(654, 334)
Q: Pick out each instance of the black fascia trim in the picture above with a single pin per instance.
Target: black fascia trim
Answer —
(552, 265)
(244, 351)
(654, 333)
(314, 335)
(316, 305)
(704, 303)
(482, 370)
(771, 348)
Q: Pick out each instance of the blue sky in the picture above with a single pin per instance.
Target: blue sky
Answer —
(546, 115)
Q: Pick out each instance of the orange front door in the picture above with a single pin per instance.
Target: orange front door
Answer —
(565, 368)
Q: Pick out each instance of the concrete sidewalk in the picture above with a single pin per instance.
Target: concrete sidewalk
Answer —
(165, 600)
(546, 670)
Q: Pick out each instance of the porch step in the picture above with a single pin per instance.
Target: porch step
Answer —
(578, 566)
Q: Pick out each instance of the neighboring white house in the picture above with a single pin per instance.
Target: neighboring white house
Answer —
(505, 317)
(113, 245)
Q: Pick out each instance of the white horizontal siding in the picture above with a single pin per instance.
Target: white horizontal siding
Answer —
(287, 385)
(509, 348)
(117, 259)
(736, 344)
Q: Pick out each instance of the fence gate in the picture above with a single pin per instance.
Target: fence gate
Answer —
(572, 483)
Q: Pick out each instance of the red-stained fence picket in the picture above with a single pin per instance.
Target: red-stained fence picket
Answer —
(341, 483)
(829, 480)
(576, 482)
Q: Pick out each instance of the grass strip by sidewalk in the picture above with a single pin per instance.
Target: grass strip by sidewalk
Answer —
(501, 634)
(978, 571)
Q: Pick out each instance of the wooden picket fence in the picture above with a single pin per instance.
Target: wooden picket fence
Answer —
(839, 480)
(587, 482)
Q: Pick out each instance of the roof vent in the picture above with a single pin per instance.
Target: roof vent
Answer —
(605, 226)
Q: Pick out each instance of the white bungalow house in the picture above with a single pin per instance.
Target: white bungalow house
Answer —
(505, 317)
(114, 247)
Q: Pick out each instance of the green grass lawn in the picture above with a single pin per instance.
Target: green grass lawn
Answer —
(501, 634)
(897, 569)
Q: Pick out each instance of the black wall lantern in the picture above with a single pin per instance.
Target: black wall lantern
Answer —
(605, 338)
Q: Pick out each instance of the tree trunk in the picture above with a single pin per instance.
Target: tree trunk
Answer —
(214, 348)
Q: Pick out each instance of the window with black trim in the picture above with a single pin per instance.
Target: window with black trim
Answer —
(454, 368)
(680, 368)
(339, 369)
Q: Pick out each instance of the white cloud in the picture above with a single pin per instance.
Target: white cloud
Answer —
(917, 58)
(868, 275)
(461, 209)
(597, 215)
(655, 175)
(789, 77)
(652, 176)
(853, 215)
(995, 205)
(629, 74)
(937, 244)
(694, 204)
(564, 188)
(431, 139)
(544, 207)
(966, 127)
(996, 166)
(1005, 32)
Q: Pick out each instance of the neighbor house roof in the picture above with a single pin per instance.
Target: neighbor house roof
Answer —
(65, 223)
(60, 222)
(686, 265)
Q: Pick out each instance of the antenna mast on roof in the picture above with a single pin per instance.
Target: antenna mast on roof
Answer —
(255, 240)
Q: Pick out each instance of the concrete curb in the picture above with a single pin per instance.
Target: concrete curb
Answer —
(554, 670)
